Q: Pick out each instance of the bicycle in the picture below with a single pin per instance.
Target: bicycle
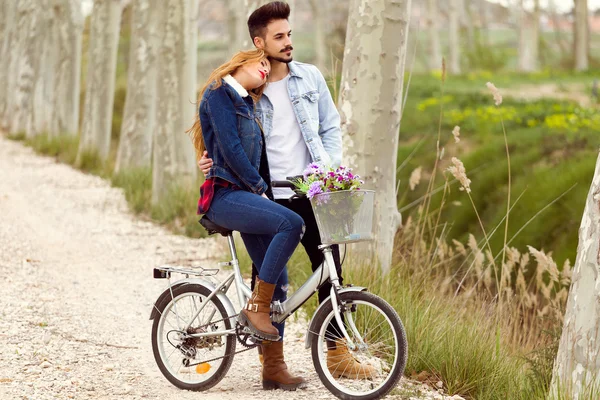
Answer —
(195, 328)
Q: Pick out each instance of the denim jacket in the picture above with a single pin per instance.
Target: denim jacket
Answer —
(315, 112)
(232, 137)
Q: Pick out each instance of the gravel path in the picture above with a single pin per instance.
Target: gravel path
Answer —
(77, 291)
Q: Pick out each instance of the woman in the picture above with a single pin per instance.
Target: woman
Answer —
(234, 195)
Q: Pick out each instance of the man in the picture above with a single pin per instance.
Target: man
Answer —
(301, 125)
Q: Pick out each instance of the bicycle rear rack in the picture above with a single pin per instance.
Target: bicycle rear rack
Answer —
(165, 271)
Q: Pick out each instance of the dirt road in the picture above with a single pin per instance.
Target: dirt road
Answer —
(77, 291)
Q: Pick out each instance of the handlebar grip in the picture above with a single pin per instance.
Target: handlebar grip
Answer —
(282, 184)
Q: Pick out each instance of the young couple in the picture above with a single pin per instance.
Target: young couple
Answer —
(263, 117)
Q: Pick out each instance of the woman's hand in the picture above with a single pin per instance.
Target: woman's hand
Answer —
(205, 163)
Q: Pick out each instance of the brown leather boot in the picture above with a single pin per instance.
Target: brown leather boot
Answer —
(256, 313)
(275, 373)
(341, 363)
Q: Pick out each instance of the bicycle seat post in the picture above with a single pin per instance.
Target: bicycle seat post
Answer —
(243, 291)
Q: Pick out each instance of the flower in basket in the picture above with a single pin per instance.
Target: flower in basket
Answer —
(336, 198)
(318, 180)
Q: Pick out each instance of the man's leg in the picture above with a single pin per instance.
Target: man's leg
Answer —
(340, 361)
(311, 242)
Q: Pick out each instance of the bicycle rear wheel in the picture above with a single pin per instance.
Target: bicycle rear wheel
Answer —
(178, 357)
(375, 327)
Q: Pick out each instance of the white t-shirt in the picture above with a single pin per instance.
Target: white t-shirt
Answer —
(286, 149)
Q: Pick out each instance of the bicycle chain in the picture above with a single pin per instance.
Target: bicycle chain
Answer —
(237, 335)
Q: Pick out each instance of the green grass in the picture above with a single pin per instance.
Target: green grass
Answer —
(548, 157)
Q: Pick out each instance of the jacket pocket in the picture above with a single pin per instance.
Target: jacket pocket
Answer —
(312, 96)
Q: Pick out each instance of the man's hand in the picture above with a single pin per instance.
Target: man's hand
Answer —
(205, 163)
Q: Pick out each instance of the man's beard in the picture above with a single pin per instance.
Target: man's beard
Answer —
(284, 60)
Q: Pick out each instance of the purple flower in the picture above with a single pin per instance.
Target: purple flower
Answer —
(314, 189)
(312, 168)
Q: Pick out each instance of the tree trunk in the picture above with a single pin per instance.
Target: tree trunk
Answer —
(529, 27)
(435, 53)
(558, 37)
(8, 56)
(173, 153)
(581, 36)
(100, 88)
(139, 116)
(27, 65)
(454, 36)
(239, 11)
(45, 83)
(370, 105)
(577, 364)
(484, 28)
(68, 68)
(320, 45)
(466, 21)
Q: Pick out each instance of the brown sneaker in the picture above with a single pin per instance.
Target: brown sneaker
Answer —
(275, 373)
(341, 363)
(256, 313)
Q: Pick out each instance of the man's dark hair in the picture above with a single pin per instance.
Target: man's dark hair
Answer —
(262, 16)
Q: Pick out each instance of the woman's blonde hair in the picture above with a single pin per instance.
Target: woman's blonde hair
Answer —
(238, 60)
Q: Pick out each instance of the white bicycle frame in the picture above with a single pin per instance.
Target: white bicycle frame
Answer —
(280, 310)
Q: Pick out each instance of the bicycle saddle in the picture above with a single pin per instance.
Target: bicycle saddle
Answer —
(213, 228)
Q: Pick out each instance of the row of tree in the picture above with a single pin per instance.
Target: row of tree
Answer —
(40, 64)
(470, 16)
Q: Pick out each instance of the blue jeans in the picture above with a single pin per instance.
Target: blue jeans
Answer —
(270, 232)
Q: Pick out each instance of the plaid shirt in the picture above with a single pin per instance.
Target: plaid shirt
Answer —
(207, 192)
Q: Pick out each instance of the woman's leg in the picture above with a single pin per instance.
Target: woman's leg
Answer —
(251, 214)
(257, 246)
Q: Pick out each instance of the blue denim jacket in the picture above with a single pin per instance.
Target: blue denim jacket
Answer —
(315, 111)
(232, 137)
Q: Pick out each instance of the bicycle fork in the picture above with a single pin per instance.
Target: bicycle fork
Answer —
(338, 308)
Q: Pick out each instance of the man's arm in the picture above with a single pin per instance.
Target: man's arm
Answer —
(329, 123)
(205, 163)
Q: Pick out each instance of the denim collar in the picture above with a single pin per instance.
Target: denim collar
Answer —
(235, 85)
(293, 70)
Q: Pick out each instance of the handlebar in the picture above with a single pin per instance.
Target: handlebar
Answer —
(288, 183)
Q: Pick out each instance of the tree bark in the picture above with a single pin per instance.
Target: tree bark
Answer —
(435, 53)
(27, 65)
(370, 106)
(68, 68)
(529, 29)
(8, 56)
(173, 153)
(466, 21)
(139, 117)
(101, 76)
(577, 364)
(581, 36)
(45, 84)
(483, 15)
(454, 36)
(320, 45)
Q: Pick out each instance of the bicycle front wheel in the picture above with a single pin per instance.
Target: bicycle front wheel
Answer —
(184, 360)
(373, 368)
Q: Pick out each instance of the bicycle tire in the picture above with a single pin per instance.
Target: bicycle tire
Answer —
(324, 316)
(230, 340)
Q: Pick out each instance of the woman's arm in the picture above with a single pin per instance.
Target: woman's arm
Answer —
(220, 111)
